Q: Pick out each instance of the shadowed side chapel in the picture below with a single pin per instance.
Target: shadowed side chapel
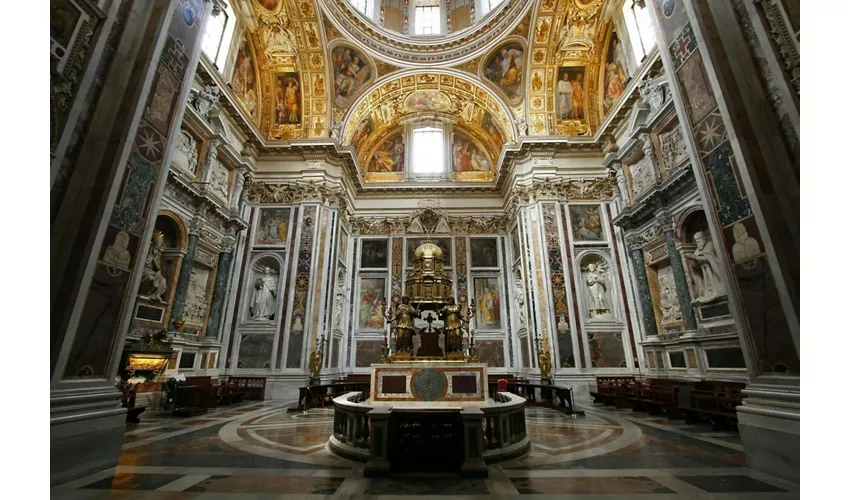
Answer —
(424, 248)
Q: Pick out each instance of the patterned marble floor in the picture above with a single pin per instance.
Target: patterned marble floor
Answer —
(259, 451)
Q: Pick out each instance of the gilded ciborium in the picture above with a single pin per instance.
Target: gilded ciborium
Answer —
(428, 298)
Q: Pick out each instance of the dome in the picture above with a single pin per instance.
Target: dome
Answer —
(428, 250)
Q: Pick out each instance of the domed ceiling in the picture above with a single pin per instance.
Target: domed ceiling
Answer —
(309, 69)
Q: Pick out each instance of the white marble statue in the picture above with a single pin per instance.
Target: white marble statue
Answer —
(520, 301)
(117, 255)
(670, 310)
(596, 277)
(745, 247)
(206, 98)
(706, 269)
(265, 293)
(152, 278)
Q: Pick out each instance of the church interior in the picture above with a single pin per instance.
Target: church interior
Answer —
(424, 248)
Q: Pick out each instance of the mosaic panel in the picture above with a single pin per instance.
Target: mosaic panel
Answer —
(302, 286)
(398, 267)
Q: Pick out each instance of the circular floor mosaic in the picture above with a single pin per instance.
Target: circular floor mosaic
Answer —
(302, 437)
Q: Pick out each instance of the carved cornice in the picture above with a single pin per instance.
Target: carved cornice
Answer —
(187, 194)
(430, 221)
(594, 188)
(326, 193)
(678, 185)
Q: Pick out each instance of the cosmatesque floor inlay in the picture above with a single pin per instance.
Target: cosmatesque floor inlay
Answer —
(255, 451)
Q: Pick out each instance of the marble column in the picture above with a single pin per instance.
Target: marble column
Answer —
(185, 272)
(644, 296)
(749, 181)
(112, 203)
(681, 280)
(222, 280)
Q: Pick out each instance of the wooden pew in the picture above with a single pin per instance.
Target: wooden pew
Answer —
(656, 396)
(714, 401)
(247, 388)
(614, 390)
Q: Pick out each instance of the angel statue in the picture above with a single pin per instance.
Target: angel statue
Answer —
(596, 277)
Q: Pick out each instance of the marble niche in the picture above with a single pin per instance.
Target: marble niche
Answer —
(263, 287)
(597, 287)
(703, 267)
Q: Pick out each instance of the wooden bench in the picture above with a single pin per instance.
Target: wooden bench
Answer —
(228, 395)
(614, 390)
(251, 388)
(656, 396)
(714, 401)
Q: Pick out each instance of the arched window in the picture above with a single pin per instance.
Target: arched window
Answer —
(639, 25)
(427, 17)
(359, 5)
(427, 153)
(218, 36)
(488, 5)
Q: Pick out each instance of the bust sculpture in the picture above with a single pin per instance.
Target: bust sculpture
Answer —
(745, 247)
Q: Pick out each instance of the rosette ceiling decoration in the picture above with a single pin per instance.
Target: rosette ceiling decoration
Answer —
(322, 69)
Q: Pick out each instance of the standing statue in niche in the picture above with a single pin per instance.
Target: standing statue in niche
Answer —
(596, 277)
(402, 324)
(152, 279)
(706, 267)
(520, 300)
(263, 305)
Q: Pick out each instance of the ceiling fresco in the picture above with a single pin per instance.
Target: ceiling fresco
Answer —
(476, 112)
(535, 68)
(291, 92)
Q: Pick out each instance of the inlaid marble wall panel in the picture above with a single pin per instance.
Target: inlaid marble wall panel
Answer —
(109, 290)
(723, 172)
(606, 350)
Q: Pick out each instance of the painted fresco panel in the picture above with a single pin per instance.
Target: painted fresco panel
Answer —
(288, 107)
(487, 303)
(484, 252)
(371, 308)
(505, 69)
(272, 226)
(586, 223)
(373, 254)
